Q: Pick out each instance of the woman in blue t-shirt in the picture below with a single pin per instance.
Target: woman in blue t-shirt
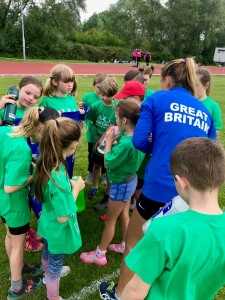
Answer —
(167, 118)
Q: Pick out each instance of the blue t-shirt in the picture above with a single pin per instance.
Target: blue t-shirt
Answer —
(171, 116)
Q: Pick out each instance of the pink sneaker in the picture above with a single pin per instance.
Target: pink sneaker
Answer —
(33, 234)
(117, 248)
(92, 258)
(32, 245)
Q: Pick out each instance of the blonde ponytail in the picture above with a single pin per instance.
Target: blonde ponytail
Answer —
(28, 124)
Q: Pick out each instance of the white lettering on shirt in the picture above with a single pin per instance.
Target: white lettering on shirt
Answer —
(187, 115)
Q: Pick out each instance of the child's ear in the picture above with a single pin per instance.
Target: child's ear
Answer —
(182, 181)
(124, 120)
(55, 83)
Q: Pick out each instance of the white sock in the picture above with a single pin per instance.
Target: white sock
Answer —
(100, 253)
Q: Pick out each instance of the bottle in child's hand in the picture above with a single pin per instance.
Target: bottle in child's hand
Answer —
(10, 109)
(101, 147)
(80, 201)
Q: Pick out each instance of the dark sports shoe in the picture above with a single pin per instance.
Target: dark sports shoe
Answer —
(107, 291)
(102, 205)
(32, 270)
(29, 286)
(92, 193)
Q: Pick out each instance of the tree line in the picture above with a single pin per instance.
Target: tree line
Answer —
(173, 28)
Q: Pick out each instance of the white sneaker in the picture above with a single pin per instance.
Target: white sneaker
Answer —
(89, 177)
(103, 179)
(65, 271)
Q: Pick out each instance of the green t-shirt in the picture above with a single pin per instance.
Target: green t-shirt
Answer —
(63, 238)
(19, 112)
(63, 104)
(214, 109)
(182, 256)
(123, 160)
(148, 92)
(15, 160)
(101, 116)
(89, 99)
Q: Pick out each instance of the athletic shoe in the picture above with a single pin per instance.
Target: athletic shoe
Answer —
(132, 203)
(119, 248)
(102, 205)
(92, 193)
(33, 234)
(32, 270)
(92, 258)
(28, 287)
(89, 178)
(32, 245)
(103, 179)
(107, 291)
(65, 271)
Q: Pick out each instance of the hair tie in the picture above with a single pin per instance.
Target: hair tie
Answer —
(184, 61)
(57, 123)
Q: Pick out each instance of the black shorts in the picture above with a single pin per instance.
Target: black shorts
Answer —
(147, 207)
(98, 159)
(138, 59)
(17, 230)
(140, 184)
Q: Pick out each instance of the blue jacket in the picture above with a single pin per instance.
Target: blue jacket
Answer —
(171, 116)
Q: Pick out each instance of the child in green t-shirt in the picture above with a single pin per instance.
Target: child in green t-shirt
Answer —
(89, 99)
(102, 114)
(58, 221)
(122, 161)
(59, 89)
(203, 90)
(15, 162)
(30, 90)
(182, 256)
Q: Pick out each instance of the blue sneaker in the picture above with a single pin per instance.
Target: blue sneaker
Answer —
(107, 291)
(92, 193)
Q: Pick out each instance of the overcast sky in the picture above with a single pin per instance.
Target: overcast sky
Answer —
(97, 6)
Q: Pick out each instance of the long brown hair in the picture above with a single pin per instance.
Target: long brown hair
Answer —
(59, 73)
(129, 108)
(205, 78)
(57, 136)
(182, 72)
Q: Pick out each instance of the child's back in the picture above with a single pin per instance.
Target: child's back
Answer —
(188, 251)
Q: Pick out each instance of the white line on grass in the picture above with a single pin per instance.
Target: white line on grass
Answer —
(91, 289)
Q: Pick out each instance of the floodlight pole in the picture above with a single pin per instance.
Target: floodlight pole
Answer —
(23, 37)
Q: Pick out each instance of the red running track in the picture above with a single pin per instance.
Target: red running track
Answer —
(42, 68)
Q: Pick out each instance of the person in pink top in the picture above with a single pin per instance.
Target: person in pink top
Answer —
(139, 55)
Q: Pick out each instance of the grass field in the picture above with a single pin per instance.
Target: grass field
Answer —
(90, 225)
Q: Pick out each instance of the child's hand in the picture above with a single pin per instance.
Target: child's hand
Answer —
(7, 99)
(81, 105)
(81, 111)
(78, 184)
(112, 133)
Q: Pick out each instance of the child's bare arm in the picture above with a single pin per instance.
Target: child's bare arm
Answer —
(136, 289)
